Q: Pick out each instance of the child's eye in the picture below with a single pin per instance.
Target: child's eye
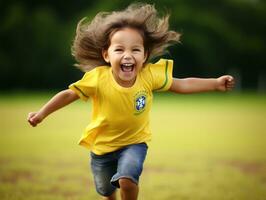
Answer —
(136, 49)
(118, 49)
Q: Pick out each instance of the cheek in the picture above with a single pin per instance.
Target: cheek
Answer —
(116, 67)
(114, 57)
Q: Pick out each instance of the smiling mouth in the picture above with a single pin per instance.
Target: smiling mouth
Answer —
(127, 67)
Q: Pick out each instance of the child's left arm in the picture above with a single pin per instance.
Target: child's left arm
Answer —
(194, 85)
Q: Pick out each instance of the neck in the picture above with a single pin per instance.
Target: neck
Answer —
(123, 83)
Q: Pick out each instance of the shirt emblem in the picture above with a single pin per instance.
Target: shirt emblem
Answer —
(140, 102)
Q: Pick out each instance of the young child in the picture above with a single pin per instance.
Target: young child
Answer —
(114, 50)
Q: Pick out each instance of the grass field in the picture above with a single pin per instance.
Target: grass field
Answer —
(205, 147)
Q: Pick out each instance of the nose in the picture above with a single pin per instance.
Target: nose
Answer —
(127, 56)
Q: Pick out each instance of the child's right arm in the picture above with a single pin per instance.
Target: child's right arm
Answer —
(60, 100)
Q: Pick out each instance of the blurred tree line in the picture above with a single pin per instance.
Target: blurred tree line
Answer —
(218, 37)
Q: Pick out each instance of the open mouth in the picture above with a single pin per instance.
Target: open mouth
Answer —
(127, 67)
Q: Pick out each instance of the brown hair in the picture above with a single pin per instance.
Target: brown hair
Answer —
(93, 37)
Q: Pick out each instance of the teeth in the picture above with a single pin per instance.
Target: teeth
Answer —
(127, 67)
(128, 64)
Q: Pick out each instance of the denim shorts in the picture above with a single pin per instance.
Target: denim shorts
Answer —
(107, 169)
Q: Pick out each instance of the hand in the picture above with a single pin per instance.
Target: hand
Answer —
(34, 118)
(225, 83)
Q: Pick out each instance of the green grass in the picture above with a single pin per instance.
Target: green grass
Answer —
(205, 147)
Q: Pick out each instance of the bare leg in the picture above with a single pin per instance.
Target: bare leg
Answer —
(128, 189)
(112, 197)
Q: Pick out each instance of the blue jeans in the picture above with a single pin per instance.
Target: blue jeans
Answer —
(107, 169)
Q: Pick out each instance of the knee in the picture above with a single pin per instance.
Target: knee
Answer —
(127, 184)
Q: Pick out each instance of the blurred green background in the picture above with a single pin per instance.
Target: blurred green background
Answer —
(205, 146)
(219, 37)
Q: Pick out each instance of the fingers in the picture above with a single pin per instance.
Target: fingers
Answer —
(226, 83)
(230, 83)
(32, 122)
(32, 119)
(31, 114)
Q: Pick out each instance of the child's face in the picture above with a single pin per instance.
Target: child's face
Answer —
(126, 55)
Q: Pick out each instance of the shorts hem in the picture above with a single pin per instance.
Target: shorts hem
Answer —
(105, 194)
(114, 181)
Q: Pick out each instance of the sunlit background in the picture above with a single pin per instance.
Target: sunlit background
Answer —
(205, 146)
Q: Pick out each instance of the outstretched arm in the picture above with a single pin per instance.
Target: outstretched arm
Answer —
(195, 85)
(60, 100)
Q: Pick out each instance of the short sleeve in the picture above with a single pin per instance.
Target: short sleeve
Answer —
(161, 73)
(87, 86)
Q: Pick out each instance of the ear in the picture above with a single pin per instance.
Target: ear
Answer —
(105, 55)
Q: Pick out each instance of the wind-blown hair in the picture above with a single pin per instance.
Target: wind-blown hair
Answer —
(95, 36)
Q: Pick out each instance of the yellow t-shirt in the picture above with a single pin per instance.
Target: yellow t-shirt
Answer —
(120, 116)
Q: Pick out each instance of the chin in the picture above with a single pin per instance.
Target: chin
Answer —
(127, 78)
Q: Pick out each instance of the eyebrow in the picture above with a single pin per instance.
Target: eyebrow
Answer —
(118, 46)
(139, 46)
